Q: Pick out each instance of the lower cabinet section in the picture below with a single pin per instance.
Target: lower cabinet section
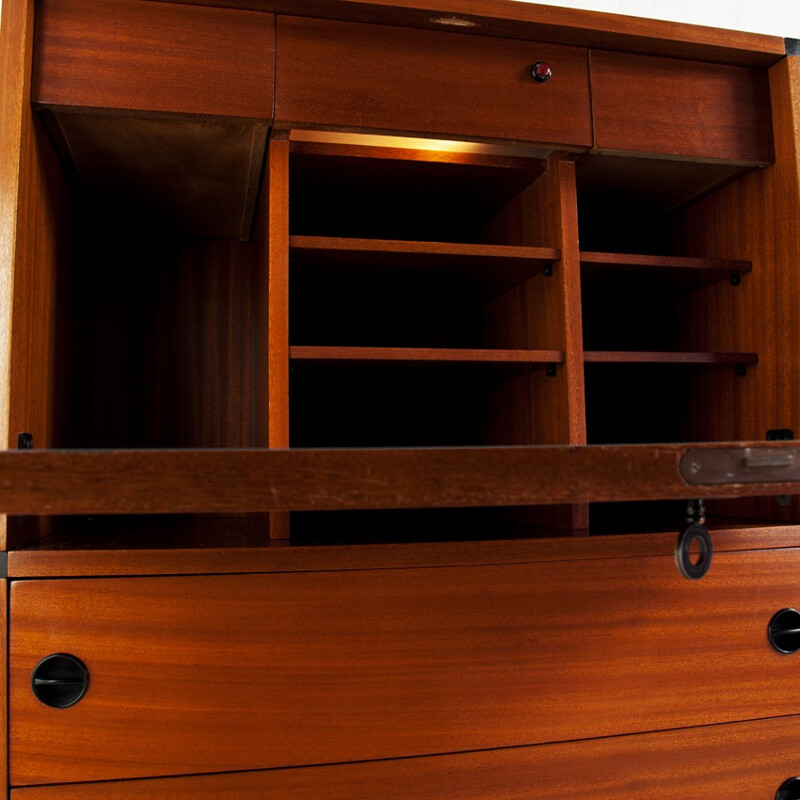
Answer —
(748, 761)
(206, 674)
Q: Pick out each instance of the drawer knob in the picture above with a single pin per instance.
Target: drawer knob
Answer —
(541, 72)
(783, 633)
(790, 790)
(60, 680)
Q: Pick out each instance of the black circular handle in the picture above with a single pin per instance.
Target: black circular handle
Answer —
(541, 72)
(783, 633)
(60, 680)
(790, 790)
(689, 568)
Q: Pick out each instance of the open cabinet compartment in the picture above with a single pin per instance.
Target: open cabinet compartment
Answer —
(415, 298)
(448, 299)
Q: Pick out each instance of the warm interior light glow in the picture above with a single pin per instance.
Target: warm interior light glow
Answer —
(413, 143)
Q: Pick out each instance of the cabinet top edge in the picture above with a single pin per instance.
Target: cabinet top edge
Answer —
(522, 20)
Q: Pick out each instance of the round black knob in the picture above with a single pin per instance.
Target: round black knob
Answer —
(541, 72)
(60, 680)
(790, 790)
(694, 535)
(783, 633)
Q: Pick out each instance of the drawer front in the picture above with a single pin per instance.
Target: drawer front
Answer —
(216, 673)
(681, 108)
(125, 54)
(353, 75)
(748, 761)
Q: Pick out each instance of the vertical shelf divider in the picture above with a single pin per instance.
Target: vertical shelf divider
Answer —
(278, 308)
(544, 312)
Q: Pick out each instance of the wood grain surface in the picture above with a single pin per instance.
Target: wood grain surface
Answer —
(277, 307)
(692, 271)
(413, 355)
(16, 36)
(542, 312)
(681, 108)
(762, 315)
(494, 256)
(128, 55)
(201, 674)
(236, 481)
(746, 760)
(35, 216)
(373, 77)
(545, 23)
(208, 546)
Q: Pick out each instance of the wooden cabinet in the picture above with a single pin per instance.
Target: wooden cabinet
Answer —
(335, 335)
(751, 760)
(222, 673)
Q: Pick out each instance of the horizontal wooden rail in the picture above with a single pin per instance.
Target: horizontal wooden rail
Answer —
(220, 481)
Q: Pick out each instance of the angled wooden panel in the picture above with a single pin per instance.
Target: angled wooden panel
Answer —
(681, 108)
(370, 76)
(748, 761)
(125, 54)
(216, 673)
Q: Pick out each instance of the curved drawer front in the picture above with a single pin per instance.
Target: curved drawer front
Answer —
(747, 760)
(354, 75)
(238, 672)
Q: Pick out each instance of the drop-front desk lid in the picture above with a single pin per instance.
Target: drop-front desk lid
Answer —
(256, 480)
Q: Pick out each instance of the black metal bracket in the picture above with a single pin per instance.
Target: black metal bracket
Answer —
(694, 534)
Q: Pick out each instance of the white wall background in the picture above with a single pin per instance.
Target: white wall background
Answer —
(777, 17)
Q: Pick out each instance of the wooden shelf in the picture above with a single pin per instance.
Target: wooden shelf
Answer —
(684, 359)
(426, 355)
(337, 250)
(695, 271)
(494, 268)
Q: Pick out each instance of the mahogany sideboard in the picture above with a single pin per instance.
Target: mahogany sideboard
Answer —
(398, 398)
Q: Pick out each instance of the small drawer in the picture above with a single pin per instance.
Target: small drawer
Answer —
(374, 77)
(125, 54)
(242, 672)
(748, 761)
(681, 108)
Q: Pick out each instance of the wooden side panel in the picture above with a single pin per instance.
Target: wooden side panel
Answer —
(277, 349)
(3, 688)
(680, 108)
(369, 76)
(217, 673)
(34, 234)
(16, 36)
(542, 312)
(125, 54)
(757, 217)
(748, 761)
